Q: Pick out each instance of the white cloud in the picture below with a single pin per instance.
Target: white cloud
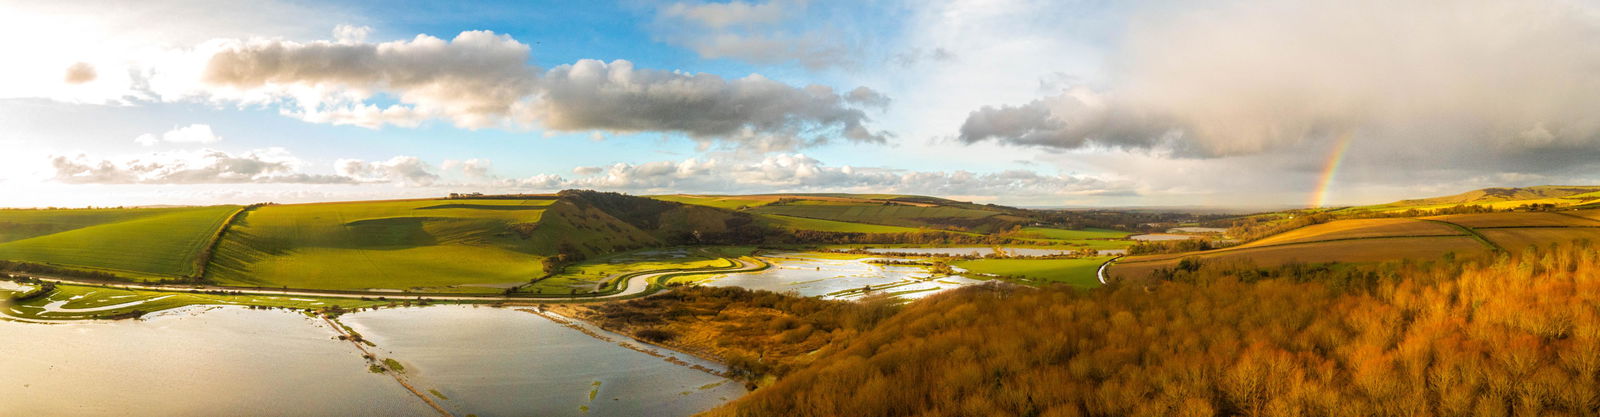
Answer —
(478, 79)
(351, 33)
(261, 166)
(205, 166)
(617, 97)
(195, 133)
(472, 168)
(801, 173)
(399, 169)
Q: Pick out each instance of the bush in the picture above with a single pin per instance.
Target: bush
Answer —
(655, 335)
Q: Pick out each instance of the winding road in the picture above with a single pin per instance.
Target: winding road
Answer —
(636, 285)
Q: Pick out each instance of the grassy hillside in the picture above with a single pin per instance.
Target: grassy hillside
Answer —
(474, 245)
(1498, 198)
(139, 243)
(940, 217)
(801, 223)
(907, 211)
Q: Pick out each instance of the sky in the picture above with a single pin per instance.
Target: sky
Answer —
(1030, 103)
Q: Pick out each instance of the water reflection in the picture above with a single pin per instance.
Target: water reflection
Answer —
(811, 275)
(502, 362)
(205, 361)
(227, 361)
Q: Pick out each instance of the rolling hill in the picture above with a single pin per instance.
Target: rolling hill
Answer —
(1499, 198)
(902, 211)
(152, 243)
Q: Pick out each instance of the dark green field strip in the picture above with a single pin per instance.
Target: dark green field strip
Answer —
(1475, 235)
(1242, 248)
(204, 258)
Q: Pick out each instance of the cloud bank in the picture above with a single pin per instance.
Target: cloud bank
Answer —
(478, 80)
(1449, 82)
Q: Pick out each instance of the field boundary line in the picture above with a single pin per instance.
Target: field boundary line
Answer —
(203, 261)
(1475, 235)
(1576, 216)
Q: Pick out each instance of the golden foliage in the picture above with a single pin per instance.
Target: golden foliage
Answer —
(1510, 336)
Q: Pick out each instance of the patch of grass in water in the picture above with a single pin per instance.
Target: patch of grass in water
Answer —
(436, 393)
(394, 365)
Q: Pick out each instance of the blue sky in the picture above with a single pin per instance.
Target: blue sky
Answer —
(1039, 103)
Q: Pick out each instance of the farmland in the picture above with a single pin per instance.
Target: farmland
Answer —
(801, 223)
(1516, 239)
(141, 243)
(1079, 272)
(1356, 251)
(87, 302)
(1385, 239)
(1358, 229)
(397, 245)
(1490, 220)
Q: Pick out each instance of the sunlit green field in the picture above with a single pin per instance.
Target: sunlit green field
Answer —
(894, 215)
(423, 245)
(1076, 272)
(800, 223)
(723, 202)
(592, 275)
(139, 243)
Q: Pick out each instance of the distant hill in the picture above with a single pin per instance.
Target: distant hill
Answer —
(1500, 198)
(805, 211)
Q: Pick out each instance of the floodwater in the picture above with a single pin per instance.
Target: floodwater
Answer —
(504, 362)
(814, 276)
(191, 362)
(1195, 229)
(203, 361)
(980, 251)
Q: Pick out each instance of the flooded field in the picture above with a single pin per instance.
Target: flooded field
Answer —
(504, 362)
(191, 361)
(199, 361)
(978, 251)
(814, 275)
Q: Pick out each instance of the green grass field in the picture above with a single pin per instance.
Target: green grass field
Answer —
(1076, 272)
(1087, 233)
(588, 276)
(138, 243)
(801, 223)
(722, 202)
(423, 245)
(892, 215)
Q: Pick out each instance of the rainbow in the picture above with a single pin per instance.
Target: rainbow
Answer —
(1319, 197)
